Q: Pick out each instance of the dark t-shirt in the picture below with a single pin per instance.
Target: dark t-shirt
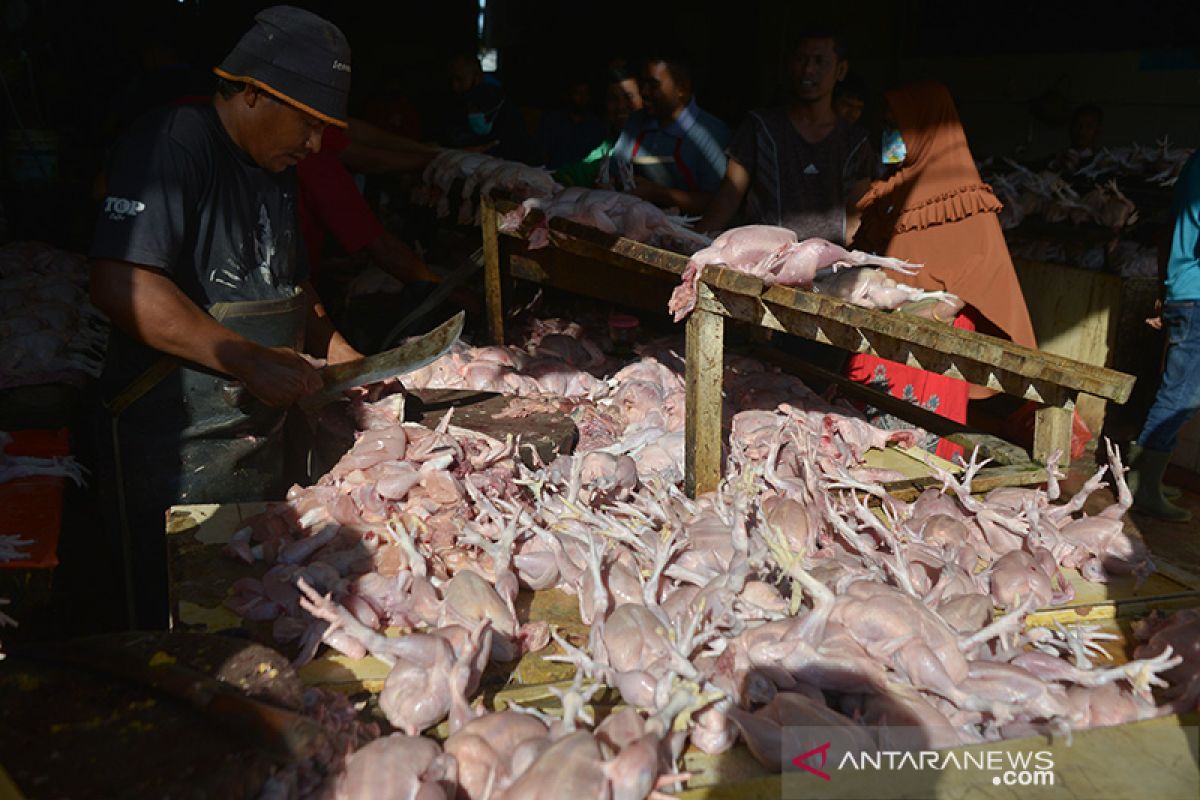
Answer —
(797, 184)
(182, 197)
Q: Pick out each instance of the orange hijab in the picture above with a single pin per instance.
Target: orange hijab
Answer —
(936, 211)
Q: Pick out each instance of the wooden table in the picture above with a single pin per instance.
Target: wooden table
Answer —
(580, 259)
(586, 261)
(201, 578)
(999, 364)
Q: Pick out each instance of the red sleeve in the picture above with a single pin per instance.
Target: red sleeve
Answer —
(330, 201)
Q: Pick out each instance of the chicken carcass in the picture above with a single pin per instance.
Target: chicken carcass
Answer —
(49, 332)
(775, 256)
(430, 677)
(872, 288)
(15, 467)
(400, 767)
(493, 750)
(516, 179)
(1180, 633)
(610, 212)
(779, 727)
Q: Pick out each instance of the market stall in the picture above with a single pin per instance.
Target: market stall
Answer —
(420, 401)
(582, 261)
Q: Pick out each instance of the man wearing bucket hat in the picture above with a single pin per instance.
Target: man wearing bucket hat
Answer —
(197, 260)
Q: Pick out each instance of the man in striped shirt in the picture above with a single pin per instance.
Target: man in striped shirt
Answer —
(798, 166)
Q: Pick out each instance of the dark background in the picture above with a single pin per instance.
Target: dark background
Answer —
(1016, 68)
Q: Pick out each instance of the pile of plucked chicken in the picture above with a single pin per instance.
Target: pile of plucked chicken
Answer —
(799, 593)
(49, 332)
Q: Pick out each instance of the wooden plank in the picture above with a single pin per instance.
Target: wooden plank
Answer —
(987, 479)
(1177, 574)
(8, 789)
(589, 242)
(646, 291)
(911, 462)
(1114, 609)
(616, 250)
(1123, 597)
(492, 277)
(856, 339)
(993, 448)
(733, 280)
(1052, 431)
(1073, 311)
(702, 432)
(1074, 314)
(984, 360)
(1012, 358)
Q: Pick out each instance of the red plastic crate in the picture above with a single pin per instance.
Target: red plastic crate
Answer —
(31, 508)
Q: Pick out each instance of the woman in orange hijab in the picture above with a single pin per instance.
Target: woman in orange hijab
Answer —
(934, 210)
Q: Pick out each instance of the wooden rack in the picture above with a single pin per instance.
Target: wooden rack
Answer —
(581, 259)
(984, 360)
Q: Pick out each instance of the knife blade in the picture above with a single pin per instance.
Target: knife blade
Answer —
(412, 355)
(439, 293)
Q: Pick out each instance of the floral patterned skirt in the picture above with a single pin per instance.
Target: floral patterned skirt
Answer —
(946, 397)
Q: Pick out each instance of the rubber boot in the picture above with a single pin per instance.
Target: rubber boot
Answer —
(1169, 492)
(1146, 468)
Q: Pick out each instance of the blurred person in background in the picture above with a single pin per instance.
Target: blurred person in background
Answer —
(800, 166)
(672, 152)
(621, 98)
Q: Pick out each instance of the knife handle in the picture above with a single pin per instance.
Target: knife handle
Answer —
(235, 395)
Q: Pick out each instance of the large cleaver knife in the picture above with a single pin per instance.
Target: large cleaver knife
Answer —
(411, 355)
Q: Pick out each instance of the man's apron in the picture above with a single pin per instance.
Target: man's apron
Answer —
(181, 434)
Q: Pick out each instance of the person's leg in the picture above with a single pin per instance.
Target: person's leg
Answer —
(133, 505)
(1177, 401)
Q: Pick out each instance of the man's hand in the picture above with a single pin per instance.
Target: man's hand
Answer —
(340, 351)
(321, 337)
(147, 305)
(1156, 321)
(278, 376)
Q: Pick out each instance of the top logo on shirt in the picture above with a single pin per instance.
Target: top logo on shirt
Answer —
(119, 209)
(341, 66)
